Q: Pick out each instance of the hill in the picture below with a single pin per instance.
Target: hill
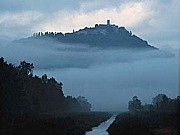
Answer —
(102, 35)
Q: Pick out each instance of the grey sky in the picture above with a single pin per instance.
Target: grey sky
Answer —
(156, 21)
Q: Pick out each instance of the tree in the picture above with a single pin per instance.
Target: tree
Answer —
(160, 102)
(25, 68)
(134, 105)
(85, 105)
(72, 105)
(44, 79)
(147, 107)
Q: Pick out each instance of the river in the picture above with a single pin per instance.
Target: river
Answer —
(101, 129)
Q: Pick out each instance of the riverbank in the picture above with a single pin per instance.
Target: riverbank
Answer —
(145, 123)
(101, 129)
(67, 124)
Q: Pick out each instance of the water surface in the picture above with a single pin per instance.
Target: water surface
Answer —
(101, 129)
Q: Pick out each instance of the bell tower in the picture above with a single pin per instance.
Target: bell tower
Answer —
(108, 22)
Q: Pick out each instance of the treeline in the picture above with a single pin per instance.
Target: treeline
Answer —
(36, 105)
(161, 117)
(23, 93)
(48, 34)
(161, 102)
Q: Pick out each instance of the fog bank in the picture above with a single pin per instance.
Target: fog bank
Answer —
(108, 78)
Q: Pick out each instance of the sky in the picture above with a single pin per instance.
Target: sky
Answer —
(156, 21)
(107, 78)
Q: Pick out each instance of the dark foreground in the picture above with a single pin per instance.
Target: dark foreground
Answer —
(145, 123)
(66, 124)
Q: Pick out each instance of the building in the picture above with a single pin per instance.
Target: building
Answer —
(108, 22)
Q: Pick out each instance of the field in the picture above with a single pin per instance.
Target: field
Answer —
(145, 123)
(64, 124)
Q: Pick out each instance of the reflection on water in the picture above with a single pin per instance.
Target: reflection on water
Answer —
(101, 129)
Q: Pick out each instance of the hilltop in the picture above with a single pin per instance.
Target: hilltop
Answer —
(101, 35)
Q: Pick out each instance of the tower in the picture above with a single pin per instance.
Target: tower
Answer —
(108, 22)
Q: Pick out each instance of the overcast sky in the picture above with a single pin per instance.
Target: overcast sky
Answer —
(156, 21)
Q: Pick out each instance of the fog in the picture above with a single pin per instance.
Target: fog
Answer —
(108, 78)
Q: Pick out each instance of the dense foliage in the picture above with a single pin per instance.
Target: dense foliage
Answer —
(161, 102)
(23, 93)
(36, 105)
(134, 105)
(159, 118)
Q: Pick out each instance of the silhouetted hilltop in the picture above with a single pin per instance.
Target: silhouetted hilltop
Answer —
(102, 35)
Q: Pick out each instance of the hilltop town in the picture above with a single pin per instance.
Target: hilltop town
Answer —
(101, 35)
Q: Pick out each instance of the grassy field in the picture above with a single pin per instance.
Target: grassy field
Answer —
(64, 124)
(145, 123)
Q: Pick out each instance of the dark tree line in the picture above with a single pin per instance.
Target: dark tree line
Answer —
(23, 93)
(161, 117)
(161, 102)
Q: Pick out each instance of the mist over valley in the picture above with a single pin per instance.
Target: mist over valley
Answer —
(107, 77)
(89, 67)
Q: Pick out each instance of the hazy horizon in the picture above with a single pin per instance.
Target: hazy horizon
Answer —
(108, 78)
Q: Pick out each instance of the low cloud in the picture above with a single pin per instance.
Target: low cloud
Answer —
(108, 78)
(50, 54)
(19, 18)
(18, 24)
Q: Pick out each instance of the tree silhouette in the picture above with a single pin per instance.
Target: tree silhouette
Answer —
(25, 68)
(160, 102)
(134, 105)
(44, 78)
(21, 93)
(85, 105)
